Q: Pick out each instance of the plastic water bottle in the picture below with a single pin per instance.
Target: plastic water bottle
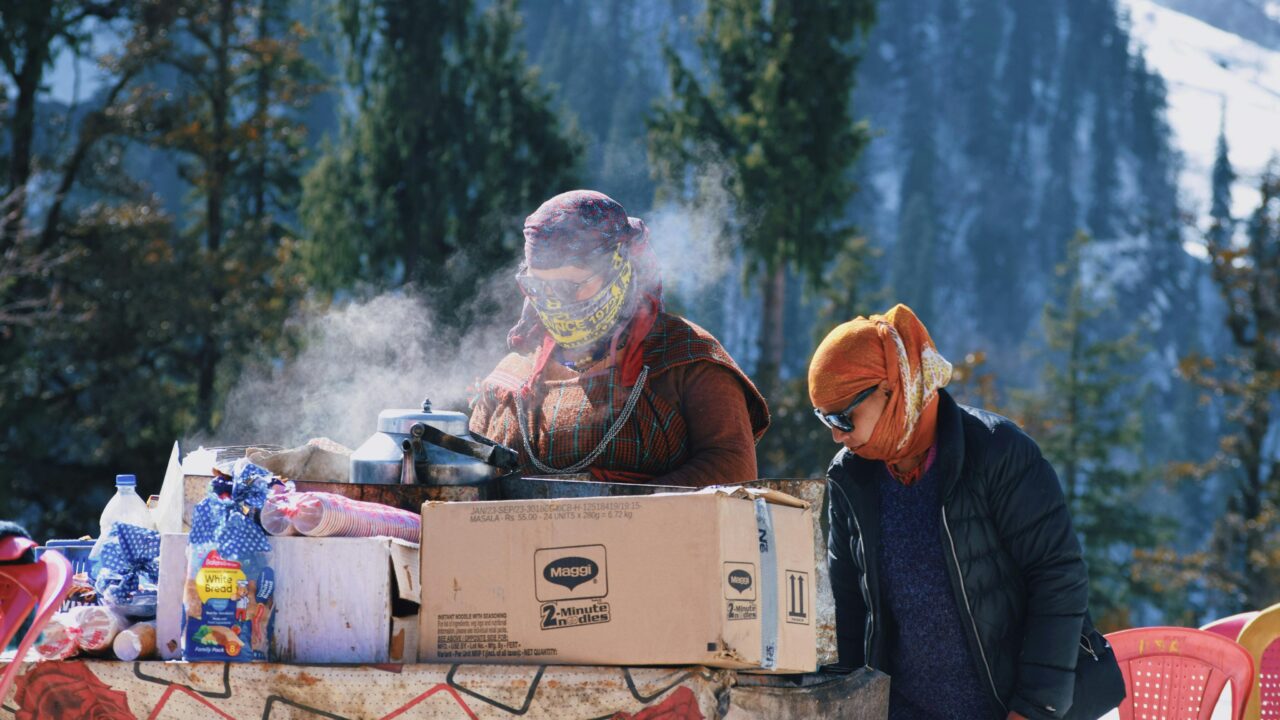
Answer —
(125, 507)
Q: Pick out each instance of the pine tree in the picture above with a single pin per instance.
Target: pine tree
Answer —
(1032, 47)
(995, 246)
(797, 443)
(106, 380)
(915, 254)
(985, 124)
(31, 35)
(774, 111)
(1222, 226)
(452, 143)
(1102, 211)
(231, 120)
(108, 384)
(1086, 418)
(590, 54)
(1244, 558)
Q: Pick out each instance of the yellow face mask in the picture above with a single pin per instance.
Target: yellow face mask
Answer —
(585, 322)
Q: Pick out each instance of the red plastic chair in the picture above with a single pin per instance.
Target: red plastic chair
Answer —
(40, 586)
(1230, 627)
(1261, 639)
(1179, 673)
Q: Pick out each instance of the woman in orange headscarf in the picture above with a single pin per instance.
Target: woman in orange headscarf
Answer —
(953, 562)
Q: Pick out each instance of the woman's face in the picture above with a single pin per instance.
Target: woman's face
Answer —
(864, 417)
(589, 281)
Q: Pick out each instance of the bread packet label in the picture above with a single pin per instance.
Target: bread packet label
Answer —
(229, 606)
(229, 598)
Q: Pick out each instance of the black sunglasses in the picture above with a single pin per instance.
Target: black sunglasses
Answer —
(563, 290)
(841, 421)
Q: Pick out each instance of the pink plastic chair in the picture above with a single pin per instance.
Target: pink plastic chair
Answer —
(39, 586)
(1229, 627)
(1261, 639)
(1180, 673)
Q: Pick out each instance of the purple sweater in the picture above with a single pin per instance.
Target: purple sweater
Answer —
(933, 676)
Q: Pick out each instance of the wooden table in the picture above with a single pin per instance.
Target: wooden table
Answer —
(111, 690)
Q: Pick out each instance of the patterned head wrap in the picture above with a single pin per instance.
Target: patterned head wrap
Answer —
(580, 228)
(585, 228)
(893, 350)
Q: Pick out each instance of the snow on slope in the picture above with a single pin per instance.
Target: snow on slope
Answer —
(1208, 70)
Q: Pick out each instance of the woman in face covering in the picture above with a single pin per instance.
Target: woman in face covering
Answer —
(953, 561)
(602, 381)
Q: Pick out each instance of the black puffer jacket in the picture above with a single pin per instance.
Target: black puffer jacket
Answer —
(1014, 560)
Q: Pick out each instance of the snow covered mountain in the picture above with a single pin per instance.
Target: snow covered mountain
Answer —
(1221, 62)
(1255, 20)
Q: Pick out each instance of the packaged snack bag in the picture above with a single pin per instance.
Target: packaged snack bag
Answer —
(99, 626)
(60, 638)
(229, 598)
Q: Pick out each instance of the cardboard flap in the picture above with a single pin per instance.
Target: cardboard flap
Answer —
(403, 644)
(752, 493)
(404, 565)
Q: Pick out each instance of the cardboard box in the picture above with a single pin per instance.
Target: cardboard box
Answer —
(722, 577)
(345, 600)
(814, 492)
(338, 600)
(169, 614)
(811, 490)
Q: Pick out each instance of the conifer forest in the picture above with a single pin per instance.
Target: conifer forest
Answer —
(237, 222)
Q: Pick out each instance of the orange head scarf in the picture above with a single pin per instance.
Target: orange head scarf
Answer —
(893, 350)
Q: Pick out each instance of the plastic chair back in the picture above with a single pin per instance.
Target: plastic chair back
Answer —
(40, 586)
(1261, 638)
(1229, 627)
(1180, 673)
(15, 602)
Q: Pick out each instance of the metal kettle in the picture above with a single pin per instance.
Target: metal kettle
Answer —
(428, 447)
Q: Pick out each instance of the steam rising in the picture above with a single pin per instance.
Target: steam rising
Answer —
(363, 356)
(693, 246)
(701, 266)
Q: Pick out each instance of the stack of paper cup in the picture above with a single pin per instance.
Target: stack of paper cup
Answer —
(276, 513)
(329, 515)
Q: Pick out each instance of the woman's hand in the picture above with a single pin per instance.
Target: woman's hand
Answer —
(1015, 716)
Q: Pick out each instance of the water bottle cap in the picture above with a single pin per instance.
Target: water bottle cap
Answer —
(126, 480)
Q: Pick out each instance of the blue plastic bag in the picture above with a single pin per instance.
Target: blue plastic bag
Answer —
(128, 570)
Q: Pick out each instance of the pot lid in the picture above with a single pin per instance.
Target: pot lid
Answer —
(399, 421)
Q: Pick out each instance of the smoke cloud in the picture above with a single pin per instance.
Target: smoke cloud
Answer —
(691, 238)
(702, 265)
(364, 356)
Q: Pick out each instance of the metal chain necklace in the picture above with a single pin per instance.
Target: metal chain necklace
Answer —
(585, 462)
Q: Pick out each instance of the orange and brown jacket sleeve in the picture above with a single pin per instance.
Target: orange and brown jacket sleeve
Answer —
(721, 444)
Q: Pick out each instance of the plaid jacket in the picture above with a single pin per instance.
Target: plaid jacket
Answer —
(570, 417)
